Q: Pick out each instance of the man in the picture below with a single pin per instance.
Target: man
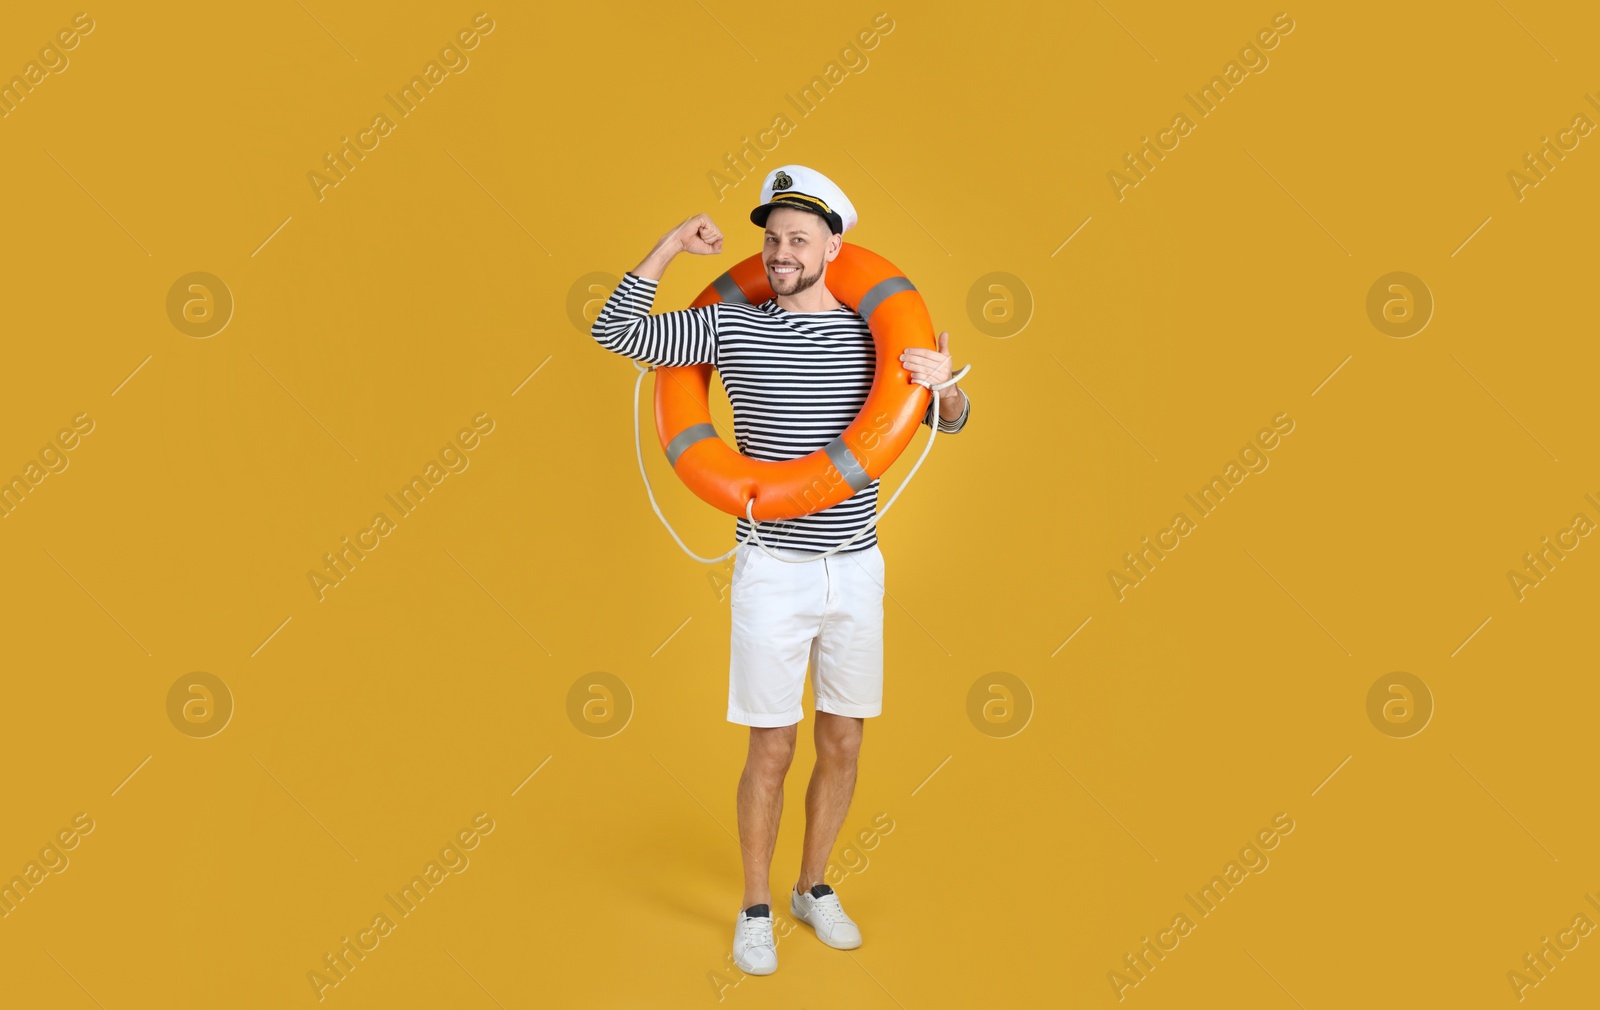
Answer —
(797, 369)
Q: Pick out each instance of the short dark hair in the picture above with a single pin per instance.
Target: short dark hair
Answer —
(827, 226)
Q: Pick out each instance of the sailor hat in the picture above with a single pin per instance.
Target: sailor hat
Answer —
(807, 189)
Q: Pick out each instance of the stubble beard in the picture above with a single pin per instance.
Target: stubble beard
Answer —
(800, 280)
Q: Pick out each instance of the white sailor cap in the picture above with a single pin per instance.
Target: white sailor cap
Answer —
(808, 189)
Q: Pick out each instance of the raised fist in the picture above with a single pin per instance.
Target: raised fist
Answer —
(700, 236)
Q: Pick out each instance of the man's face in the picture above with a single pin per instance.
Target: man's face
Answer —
(796, 250)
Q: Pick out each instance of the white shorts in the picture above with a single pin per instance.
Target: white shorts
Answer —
(828, 613)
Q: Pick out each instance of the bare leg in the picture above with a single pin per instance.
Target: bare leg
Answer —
(833, 782)
(761, 805)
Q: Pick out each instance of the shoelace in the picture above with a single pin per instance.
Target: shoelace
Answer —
(756, 931)
(829, 908)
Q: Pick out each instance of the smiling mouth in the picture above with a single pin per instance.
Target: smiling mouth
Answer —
(783, 270)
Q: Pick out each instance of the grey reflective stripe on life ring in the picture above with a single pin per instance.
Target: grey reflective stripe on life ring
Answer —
(854, 473)
(881, 290)
(687, 437)
(730, 291)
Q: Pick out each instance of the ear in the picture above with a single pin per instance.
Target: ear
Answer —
(835, 243)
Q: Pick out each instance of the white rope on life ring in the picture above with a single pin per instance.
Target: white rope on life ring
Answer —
(750, 505)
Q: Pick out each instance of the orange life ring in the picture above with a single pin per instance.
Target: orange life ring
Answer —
(787, 489)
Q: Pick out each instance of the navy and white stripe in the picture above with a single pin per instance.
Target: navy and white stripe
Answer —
(795, 380)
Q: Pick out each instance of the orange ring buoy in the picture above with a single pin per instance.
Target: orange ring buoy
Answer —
(787, 489)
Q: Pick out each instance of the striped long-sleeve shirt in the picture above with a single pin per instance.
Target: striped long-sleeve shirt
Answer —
(796, 380)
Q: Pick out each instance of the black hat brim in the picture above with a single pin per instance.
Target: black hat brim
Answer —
(758, 217)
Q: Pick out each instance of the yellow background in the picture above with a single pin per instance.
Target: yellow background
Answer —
(370, 326)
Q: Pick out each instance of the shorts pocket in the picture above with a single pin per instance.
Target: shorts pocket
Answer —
(871, 561)
(744, 570)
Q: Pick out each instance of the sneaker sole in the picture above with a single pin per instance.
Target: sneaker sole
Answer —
(836, 946)
(753, 971)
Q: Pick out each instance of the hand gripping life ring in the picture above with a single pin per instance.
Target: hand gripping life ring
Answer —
(898, 319)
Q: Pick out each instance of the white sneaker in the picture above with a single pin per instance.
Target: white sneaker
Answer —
(754, 949)
(821, 911)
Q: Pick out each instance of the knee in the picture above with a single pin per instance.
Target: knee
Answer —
(771, 751)
(839, 750)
